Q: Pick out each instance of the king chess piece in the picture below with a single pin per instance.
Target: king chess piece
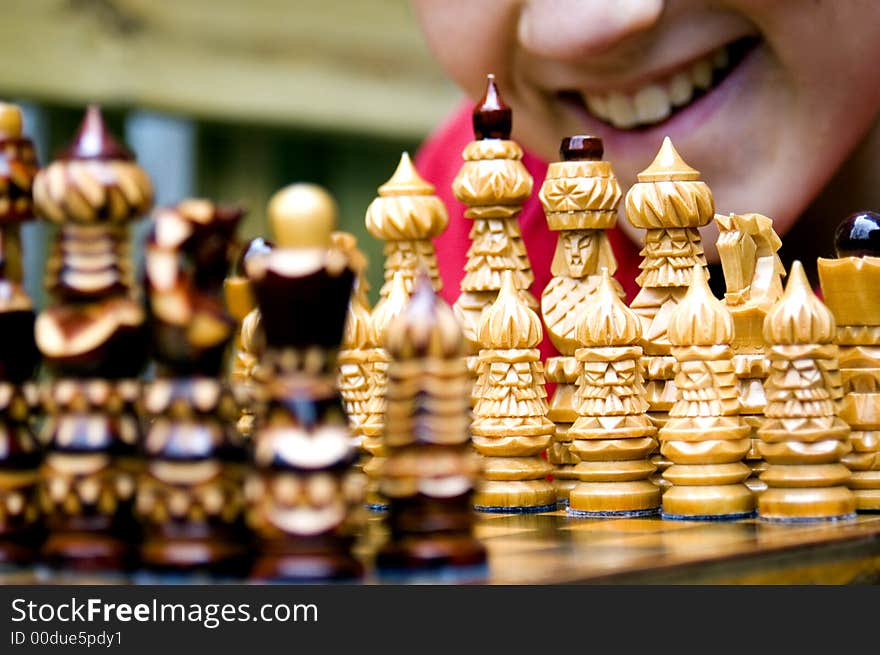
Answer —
(431, 469)
(849, 287)
(93, 340)
(20, 531)
(303, 498)
(189, 497)
(580, 196)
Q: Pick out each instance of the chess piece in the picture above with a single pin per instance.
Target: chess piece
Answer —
(430, 470)
(802, 438)
(406, 216)
(373, 425)
(302, 497)
(704, 437)
(189, 497)
(753, 272)
(93, 340)
(493, 183)
(510, 427)
(580, 196)
(19, 451)
(670, 202)
(612, 436)
(849, 288)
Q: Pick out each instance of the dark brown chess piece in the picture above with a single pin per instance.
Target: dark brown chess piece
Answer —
(93, 340)
(431, 469)
(302, 501)
(19, 451)
(190, 496)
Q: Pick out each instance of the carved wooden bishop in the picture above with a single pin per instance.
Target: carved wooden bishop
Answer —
(510, 427)
(670, 203)
(705, 437)
(753, 273)
(580, 196)
(612, 436)
(802, 438)
(302, 499)
(494, 183)
(93, 339)
(189, 498)
(19, 450)
(849, 287)
(430, 471)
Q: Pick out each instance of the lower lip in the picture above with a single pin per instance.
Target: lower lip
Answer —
(680, 123)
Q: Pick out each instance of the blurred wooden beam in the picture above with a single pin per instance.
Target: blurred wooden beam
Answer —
(339, 64)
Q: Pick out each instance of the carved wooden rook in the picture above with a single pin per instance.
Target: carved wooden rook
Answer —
(670, 203)
(850, 286)
(93, 339)
(580, 196)
(802, 438)
(189, 498)
(430, 471)
(510, 426)
(705, 437)
(302, 497)
(612, 436)
(19, 451)
(494, 183)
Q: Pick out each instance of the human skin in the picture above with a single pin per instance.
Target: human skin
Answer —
(789, 130)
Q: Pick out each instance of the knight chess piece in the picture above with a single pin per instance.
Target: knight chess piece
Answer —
(20, 454)
(849, 288)
(802, 438)
(189, 497)
(580, 196)
(705, 437)
(671, 203)
(510, 427)
(93, 340)
(303, 497)
(612, 436)
(431, 470)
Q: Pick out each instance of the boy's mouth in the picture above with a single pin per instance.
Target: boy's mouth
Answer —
(655, 102)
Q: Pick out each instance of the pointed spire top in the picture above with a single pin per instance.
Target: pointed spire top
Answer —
(426, 327)
(799, 317)
(608, 321)
(94, 141)
(406, 181)
(509, 322)
(700, 318)
(390, 307)
(492, 118)
(668, 166)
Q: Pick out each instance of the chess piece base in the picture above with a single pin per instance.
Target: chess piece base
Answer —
(431, 552)
(608, 498)
(306, 559)
(216, 556)
(713, 502)
(515, 496)
(563, 489)
(806, 504)
(18, 550)
(86, 551)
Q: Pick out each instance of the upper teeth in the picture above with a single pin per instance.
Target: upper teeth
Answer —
(654, 102)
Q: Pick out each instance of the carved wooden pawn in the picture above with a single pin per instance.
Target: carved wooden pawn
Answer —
(189, 498)
(20, 530)
(705, 437)
(670, 202)
(303, 497)
(580, 196)
(94, 342)
(510, 427)
(431, 470)
(493, 183)
(802, 438)
(753, 272)
(612, 436)
(849, 288)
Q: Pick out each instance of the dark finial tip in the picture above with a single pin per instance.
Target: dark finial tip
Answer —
(858, 235)
(492, 118)
(581, 147)
(94, 141)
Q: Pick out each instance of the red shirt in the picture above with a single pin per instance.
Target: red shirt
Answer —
(439, 160)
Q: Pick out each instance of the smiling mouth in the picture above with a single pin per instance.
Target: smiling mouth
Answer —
(656, 102)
